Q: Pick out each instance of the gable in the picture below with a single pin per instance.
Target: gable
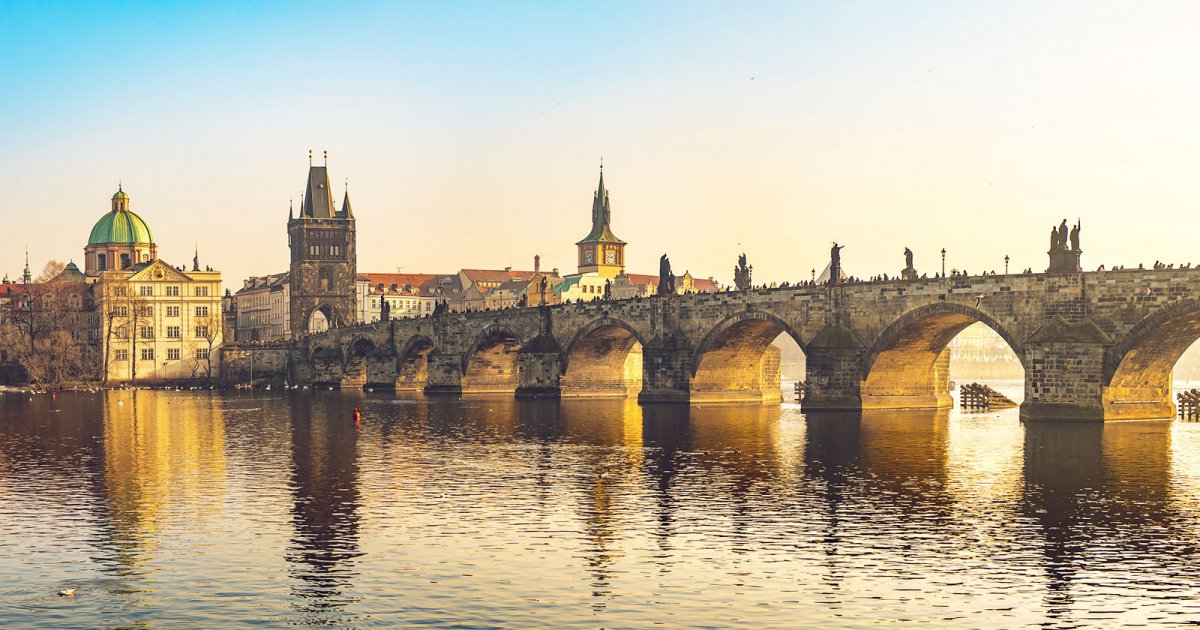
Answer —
(159, 271)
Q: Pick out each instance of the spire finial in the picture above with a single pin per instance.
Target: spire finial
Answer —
(347, 185)
(326, 152)
(601, 163)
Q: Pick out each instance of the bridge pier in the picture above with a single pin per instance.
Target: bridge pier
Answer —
(539, 366)
(444, 374)
(666, 372)
(834, 371)
(1064, 373)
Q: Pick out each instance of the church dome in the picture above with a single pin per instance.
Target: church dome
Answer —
(121, 225)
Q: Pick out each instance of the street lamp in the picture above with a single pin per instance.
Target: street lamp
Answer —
(943, 262)
(1006, 264)
(814, 274)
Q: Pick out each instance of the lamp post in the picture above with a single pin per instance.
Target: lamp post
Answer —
(1006, 264)
(814, 275)
(943, 262)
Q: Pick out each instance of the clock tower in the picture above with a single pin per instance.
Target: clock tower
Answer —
(601, 251)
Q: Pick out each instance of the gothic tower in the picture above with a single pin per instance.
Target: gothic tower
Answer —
(324, 264)
(601, 251)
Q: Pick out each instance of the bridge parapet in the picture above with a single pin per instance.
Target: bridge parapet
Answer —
(1096, 344)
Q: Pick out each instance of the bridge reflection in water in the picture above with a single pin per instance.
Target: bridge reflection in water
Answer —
(491, 511)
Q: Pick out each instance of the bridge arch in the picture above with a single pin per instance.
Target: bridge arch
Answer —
(1138, 367)
(731, 363)
(321, 318)
(603, 359)
(412, 363)
(908, 365)
(356, 354)
(491, 363)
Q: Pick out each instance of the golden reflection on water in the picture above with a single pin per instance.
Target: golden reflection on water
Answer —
(159, 453)
(489, 510)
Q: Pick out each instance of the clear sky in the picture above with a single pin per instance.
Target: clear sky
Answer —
(471, 132)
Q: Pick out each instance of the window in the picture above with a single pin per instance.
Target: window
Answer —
(335, 250)
(146, 332)
(202, 291)
(173, 291)
(101, 259)
(173, 311)
(122, 332)
(146, 290)
(326, 279)
(172, 354)
(147, 354)
(146, 311)
(201, 311)
(119, 290)
(121, 355)
(172, 332)
(202, 332)
(202, 353)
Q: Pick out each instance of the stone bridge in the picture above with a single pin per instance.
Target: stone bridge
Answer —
(1094, 345)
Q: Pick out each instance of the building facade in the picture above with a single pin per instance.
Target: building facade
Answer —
(263, 308)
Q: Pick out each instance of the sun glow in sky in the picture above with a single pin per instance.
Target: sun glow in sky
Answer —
(471, 132)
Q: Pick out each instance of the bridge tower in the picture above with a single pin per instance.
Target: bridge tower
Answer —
(324, 262)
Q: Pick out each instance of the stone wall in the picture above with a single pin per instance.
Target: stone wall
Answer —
(1082, 339)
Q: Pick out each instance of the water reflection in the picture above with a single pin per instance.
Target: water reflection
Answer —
(491, 511)
(324, 481)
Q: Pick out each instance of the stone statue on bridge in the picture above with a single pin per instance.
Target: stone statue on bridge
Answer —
(542, 290)
(1064, 249)
(666, 279)
(909, 272)
(741, 274)
(385, 309)
(835, 263)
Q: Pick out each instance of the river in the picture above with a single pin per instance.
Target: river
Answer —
(193, 509)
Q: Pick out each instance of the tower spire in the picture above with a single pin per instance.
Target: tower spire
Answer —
(27, 276)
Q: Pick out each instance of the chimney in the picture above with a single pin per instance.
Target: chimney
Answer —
(509, 268)
(537, 263)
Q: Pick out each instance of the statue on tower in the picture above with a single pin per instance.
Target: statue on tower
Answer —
(1075, 236)
(741, 274)
(1064, 249)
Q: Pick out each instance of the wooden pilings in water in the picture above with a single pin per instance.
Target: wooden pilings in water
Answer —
(980, 396)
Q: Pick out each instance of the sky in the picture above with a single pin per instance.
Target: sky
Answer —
(471, 133)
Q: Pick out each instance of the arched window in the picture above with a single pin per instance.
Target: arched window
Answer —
(124, 261)
(101, 260)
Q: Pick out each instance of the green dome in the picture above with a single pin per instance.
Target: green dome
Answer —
(120, 194)
(120, 226)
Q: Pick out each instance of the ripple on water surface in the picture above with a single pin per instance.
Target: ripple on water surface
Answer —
(192, 509)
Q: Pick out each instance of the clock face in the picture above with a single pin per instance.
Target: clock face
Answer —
(587, 256)
(610, 257)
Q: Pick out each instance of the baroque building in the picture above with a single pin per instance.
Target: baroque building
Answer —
(323, 268)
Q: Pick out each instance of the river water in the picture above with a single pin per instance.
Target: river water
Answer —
(184, 509)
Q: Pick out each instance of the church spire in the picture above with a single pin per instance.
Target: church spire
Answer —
(27, 276)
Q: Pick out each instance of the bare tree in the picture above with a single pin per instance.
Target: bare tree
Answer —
(209, 330)
(45, 325)
(123, 313)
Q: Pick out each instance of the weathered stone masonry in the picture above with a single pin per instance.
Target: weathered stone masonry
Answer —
(1097, 345)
